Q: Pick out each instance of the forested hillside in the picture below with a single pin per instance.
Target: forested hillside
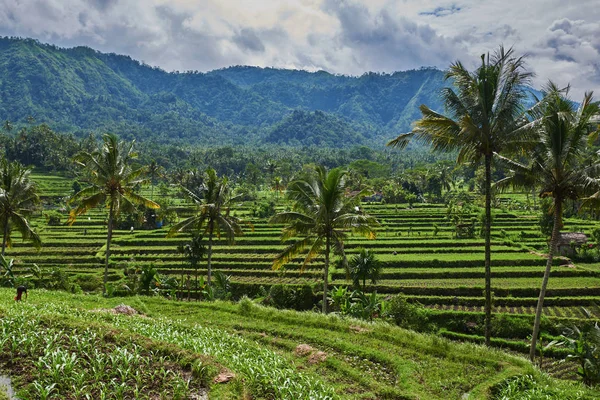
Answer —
(79, 89)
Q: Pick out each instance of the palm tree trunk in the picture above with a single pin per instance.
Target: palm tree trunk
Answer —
(488, 251)
(5, 236)
(326, 274)
(108, 240)
(209, 258)
(551, 251)
(182, 291)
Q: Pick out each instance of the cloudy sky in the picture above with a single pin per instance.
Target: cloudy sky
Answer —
(561, 37)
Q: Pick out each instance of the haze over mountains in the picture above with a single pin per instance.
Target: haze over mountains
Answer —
(80, 90)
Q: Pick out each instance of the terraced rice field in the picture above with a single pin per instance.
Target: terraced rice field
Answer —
(59, 345)
(435, 269)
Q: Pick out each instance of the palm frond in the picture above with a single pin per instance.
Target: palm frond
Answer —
(188, 224)
(27, 233)
(290, 252)
(135, 198)
(85, 205)
(401, 141)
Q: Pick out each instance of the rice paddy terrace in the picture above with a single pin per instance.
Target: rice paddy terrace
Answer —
(422, 257)
(57, 345)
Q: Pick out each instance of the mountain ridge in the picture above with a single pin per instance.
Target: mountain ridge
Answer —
(80, 89)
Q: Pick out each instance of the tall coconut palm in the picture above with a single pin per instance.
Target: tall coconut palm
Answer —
(18, 197)
(154, 170)
(112, 182)
(277, 185)
(484, 115)
(322, 216)
(560, 166)
(212, 201)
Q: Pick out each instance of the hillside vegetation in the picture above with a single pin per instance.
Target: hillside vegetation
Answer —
(80, 89)
(57, 345)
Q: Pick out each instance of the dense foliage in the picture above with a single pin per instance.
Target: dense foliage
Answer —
(80, 89)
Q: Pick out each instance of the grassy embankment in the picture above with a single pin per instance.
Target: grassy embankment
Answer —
(54, 343)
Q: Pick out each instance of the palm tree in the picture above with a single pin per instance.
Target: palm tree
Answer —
(194, 251)
(322, 215)
(18, 197)
(444, 171)
(154, 170)
(277, 185)
(212, 199)
(560, 166)
(363, 266)
(484, 116)
(271, 167)
(112, 181)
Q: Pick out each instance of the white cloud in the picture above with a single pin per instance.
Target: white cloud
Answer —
(342, 36)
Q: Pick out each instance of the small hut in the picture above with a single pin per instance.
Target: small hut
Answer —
(568, 242)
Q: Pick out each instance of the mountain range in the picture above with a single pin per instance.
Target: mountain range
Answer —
(80, 90)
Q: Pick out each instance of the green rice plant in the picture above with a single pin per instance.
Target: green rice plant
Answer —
(267, 374)
(529, 387)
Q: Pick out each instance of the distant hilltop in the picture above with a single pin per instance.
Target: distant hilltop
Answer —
(80, 90)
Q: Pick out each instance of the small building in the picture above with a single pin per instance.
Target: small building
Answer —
(568, 242)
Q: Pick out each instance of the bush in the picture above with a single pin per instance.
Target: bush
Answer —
(304, 298)
(222, 286)
(280, 296)
(583, 344)
(264, 210)
(409, 315)
(88, 283)
(284, 296)
(508, 326)
(245, 305)
(53, 218)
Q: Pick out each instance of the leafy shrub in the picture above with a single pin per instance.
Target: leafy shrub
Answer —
(88, 283)
(280, 296)
(148, 278)
(409, 315)
(7, 276)
(509, 326)
(58, 279)
(53, 218)
(356, 303)
(583, 344)
(222, 285)
(284, 296)
(304, 298)
(245, 305)
(264, 209)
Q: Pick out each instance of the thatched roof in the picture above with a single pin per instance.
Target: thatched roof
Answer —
(566, 238)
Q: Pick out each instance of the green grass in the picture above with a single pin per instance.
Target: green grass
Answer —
(363, 360)
(567, 282)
